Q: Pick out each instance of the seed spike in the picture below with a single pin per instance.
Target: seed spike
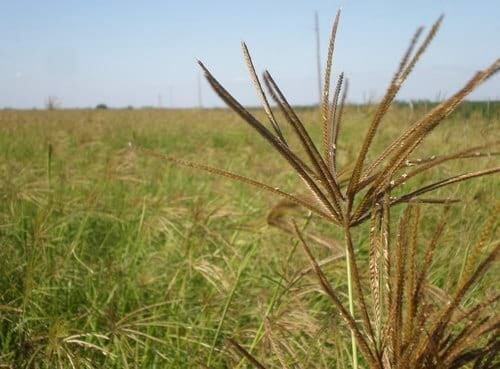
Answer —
(260, 92)
(328, 68)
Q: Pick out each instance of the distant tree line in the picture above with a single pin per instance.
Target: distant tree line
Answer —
(467, 109)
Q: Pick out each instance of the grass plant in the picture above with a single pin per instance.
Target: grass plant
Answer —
(115, 259)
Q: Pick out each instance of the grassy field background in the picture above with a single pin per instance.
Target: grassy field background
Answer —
(113, 259)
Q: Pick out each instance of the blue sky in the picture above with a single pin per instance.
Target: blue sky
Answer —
(132, 52)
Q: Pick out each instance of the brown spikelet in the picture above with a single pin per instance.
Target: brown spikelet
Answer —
(278, 145)
(404, 145)
(384, 105)
(396, 317)
(446, 182)
(386, 285)
(386, 250)
(319, 197)
(466, 154)
(328, 69)
(329, 126)
(261, 93)
(423, 165)
(411, 274)
(239, 178)
(374, 253)
(361, 212)
(421, 50)
(405, 68)
(319, 164)
(336, 128)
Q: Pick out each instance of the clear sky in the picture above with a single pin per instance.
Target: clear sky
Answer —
(132, 52)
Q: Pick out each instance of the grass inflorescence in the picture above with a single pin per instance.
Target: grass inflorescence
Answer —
(346, 197)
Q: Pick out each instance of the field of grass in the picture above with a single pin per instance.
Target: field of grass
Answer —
(110, 258)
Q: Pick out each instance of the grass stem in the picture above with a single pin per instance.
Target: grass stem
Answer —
(242, 267)
(351, 306)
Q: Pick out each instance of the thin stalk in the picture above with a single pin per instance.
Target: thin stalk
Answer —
(229, 300)
(351, 307)
(353, 279)
(348, 257)
(49, 165)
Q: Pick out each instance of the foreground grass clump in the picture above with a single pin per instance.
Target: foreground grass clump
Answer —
(405, 328)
